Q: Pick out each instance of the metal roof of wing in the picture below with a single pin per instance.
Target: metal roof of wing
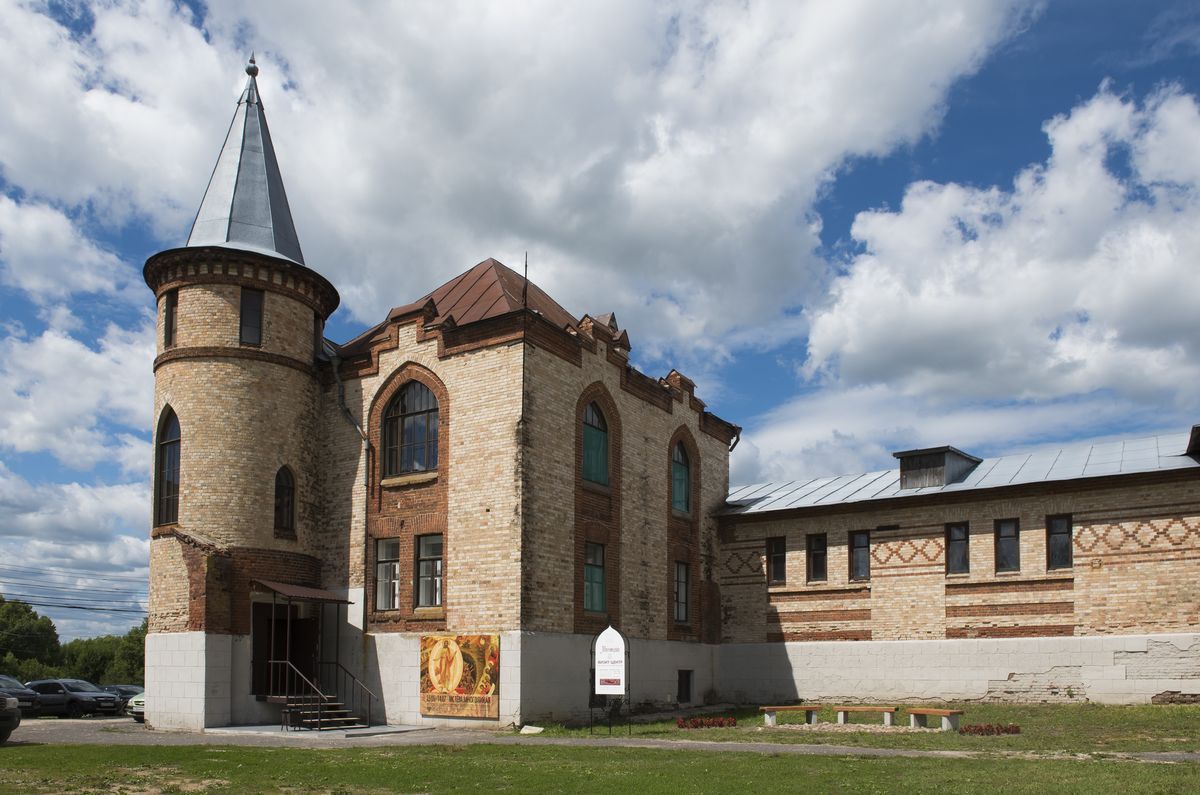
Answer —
(1147, 454)
(245, 206)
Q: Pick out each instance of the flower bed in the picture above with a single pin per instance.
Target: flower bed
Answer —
(707, 722)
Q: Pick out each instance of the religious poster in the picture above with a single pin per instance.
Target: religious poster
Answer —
(460, 676)
(610, 663)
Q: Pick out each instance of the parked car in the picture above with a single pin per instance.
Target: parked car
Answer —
(73, 698)
(10, 717)
(136, 708)
(27, 700)
(123, 692)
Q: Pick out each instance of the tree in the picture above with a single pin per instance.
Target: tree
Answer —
(27, 635)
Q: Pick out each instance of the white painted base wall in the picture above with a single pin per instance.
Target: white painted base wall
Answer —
(187, 680)
(1109, 670)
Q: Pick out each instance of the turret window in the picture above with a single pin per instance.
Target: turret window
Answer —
(681, 480)
(410, 431)
(166, 470)
(285, 502)
(252, 316)
(170, 301)
(595, 445)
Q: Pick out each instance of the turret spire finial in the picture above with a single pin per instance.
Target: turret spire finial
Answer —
(252, 68)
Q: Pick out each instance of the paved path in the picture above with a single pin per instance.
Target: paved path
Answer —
(123, 731)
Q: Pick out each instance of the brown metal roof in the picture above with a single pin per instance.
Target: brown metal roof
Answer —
(301, 592)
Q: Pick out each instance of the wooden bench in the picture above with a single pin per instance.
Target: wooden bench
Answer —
(889, 713)
(810, 713)
(917, 716)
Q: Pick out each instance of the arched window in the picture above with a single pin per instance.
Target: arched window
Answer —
(285, 501)
(410, 431)
(681, 480)
(166, 469)
(595, 445)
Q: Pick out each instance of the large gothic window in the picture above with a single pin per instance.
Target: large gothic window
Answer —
(681, 480)
(595, 445)
(410, 431)
(166, 470)
(285, 501)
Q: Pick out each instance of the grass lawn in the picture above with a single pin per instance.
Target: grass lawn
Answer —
(1071, 728)
(149, 769)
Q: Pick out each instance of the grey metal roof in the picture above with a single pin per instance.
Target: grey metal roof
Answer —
(1148, 454)
(245, 206)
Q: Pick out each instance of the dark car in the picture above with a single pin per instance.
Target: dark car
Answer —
(27, 700)
(73, 698)
(123, 692)
(10, 717)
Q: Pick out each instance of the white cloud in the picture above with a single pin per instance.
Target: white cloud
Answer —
(990, 316)
(73, 518)
(60, 395)
(43, 253)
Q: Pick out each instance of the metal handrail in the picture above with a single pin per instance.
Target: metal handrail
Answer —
(293, 683)
(357, 690)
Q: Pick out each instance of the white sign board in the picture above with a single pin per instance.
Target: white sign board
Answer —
(610, 663)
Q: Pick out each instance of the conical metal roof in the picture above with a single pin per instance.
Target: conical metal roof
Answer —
(245, 206)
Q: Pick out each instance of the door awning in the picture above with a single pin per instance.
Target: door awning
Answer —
(299, 593)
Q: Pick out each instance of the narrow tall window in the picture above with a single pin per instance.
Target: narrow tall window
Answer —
(593, 578)
(410, 431)
(387, 574)
(1058, 542)
(429, 571)
(170, 302)
(318, 335)
(166, 468)
(958, 557)
(817, 553)
(860, 555)
(681, 592)
(681, 480)
(776, 561)
(595, 445)
(1008, 545)
(285, 501)
(252, 316)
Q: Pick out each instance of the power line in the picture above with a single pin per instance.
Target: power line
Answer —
(25, 597)
(70, 573)
(81, 607)
(73, 588)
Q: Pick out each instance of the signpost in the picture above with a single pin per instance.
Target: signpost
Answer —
(610, 681)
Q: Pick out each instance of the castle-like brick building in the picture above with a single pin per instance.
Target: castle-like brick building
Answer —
(429, 523)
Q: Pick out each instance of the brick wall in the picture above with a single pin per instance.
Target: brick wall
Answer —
(1135, 546)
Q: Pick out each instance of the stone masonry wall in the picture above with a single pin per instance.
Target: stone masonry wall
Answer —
(551, 567)
(474, 499)
(1135, 547)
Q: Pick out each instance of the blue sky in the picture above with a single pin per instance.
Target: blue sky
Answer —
(859, 228)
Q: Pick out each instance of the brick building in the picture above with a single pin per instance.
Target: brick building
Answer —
(434, 519)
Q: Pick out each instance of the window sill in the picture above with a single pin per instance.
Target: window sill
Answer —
(245, 344)
(287, 535)
(1016, 573)
(678, 514)
(410, 479)
(958, 575)
(599, 488)
(428, 613)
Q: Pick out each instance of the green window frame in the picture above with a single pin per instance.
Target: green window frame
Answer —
(681, 480)
(595, 445)
(593, 578)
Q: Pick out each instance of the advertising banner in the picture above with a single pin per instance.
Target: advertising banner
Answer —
(460, 676)
(610, 663)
